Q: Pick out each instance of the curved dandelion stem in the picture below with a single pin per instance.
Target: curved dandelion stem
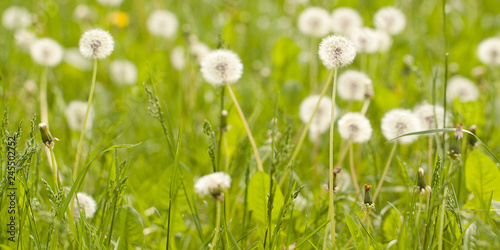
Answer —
(245, 124)
(379, 186)
(330, 190)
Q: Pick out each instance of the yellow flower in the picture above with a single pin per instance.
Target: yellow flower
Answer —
(119, 19)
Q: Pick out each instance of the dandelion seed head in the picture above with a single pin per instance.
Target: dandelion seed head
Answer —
(96, 44)
(123, 72)
(488, 51)
(83, 12)
(352, 85)
(16, 17)
(75, 115)
(110, 2)
(384, 40)
(321, 121)
(73, 57)
(87, 204)
(199, 50)
(365, 40)
(315, 22)
(162, 23)
(390, 19)
(336, 51)
(177, 58)
(355, 127)
(345, 19)
(425, 113)
(24, 38)
(462, 88)
(212, 184)
(47, 52)
(398, 122)
(221, 66)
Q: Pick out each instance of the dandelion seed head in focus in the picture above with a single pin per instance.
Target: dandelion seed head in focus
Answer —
(336, 51)
(221, 66)
(96, 44)
(212, 184)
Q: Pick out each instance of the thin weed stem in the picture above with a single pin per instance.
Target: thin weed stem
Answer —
(245, 124)
(217, 224)
(330, 190)
(379, 186)
(429, 162)
(44, 110)
(355, 182)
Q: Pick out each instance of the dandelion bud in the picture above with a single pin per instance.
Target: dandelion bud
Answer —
(455, 152)
(213, 184)
(96, 44)
(421, 186)
(472, 139)
(47, 138)
(368, 202)
(336, 51)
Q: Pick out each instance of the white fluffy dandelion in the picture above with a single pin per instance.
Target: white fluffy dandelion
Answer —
(352, 85)
(212, 184)
(47, 52)
(345, 19)
(123, 72)
(16, 17)
(73, 57)
(24, 38)
(87, 204)
(488, 51)
(384, 40)
(430, 115)
(110, 2)
(199, 50)
(462, 88)
(75, 115)
(178, 58)
(96, 44)
(390, 19)
(162, 23)
(314, 21)
(365, 40)
(355, 127)
(336, 51)
(221, 66)
(83, 12)
(398, 122)
(321, 120)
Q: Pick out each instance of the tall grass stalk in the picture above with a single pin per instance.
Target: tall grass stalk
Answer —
(379, 185)
(245, 124)
(330, 190)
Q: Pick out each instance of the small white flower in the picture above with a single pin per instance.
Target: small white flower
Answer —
(87, 204)
(314, 21)
(355, 127)
(75, 114)
(390, 19)
(365, 40)
(199, 50)
(398, 122)
(488, 51)
(321, 121)
(83, 12)
(177, 58)
(16, 17)
(428, 120)
(352, 85)
(24, 38)
(384, 40)
(123, 72)
(221, 66)
(73, 57)
(336, 51)
(47, 52)
(110, 2)
(96, 44)
(462, 88)
(345, 19)
(162, 23)
(212, 184)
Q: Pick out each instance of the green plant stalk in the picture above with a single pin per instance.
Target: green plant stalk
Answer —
(245, 124)
(353, 173)
(379, 186)
(368, 225)
(313, 66)
(330, 190)
(441, 220)
(429, 162)
(419, 211)
(221, 127)
(44, 110)
(217, 224)
(55, 171)
(325, 236)
(306, 128)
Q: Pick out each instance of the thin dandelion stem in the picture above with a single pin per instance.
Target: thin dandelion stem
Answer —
(217, 224)
(55, 171)
(368, 225)
(84, 125)
(441, 220)
(429, 161)
(355, 182)
(330, 190)
(325, 237)
(313, 66)
(245, 124)
(379, 186)
(417, 221)
(366, 104)
(44, 110)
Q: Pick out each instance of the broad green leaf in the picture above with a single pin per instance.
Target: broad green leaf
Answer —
(357, 236)
(482, 176)
(258, 193)
(129, 228)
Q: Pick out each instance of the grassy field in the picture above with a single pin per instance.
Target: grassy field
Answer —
(157, 124)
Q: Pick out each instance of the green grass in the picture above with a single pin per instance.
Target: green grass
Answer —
(152, 140)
